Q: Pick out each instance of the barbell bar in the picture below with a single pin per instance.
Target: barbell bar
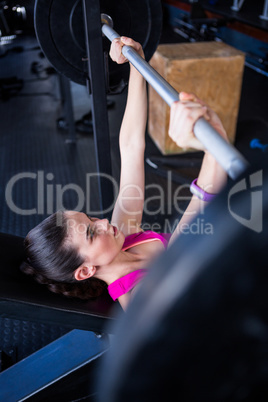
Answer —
(232, 161)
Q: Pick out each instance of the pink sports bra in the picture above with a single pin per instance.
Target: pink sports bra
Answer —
(123, 285)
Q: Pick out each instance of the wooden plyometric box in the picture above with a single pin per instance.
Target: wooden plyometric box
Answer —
(211, 70)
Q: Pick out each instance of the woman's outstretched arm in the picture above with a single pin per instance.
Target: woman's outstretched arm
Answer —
(127, 214)
(212, 178)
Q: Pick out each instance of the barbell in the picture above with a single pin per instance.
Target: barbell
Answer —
(61, 35)
(226, 154)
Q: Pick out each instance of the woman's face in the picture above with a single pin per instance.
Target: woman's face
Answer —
(97, 240)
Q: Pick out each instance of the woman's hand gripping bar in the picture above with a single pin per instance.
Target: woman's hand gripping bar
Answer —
(225, 153)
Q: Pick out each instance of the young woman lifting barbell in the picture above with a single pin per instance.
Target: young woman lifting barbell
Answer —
(79, 256)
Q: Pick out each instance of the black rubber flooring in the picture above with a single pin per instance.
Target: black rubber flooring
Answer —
(34, 154)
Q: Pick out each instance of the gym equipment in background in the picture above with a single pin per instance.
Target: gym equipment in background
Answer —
(69, 33)
(61, 35)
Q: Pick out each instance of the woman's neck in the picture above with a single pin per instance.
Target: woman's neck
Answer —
(123, 264)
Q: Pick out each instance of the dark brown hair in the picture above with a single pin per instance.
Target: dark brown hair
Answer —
(51, 260)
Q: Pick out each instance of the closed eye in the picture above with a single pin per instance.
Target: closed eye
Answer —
(87, 231)
(91, 233)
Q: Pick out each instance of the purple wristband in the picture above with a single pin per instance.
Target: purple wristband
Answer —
(200, 193)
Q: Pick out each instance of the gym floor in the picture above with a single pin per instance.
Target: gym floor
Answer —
(34, 148)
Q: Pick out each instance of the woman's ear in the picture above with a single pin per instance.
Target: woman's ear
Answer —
(84, 272)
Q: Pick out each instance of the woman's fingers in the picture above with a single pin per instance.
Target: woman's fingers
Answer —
(187, 96)
(210, 115)
(183, 116)
(130, 42)
(116, 49)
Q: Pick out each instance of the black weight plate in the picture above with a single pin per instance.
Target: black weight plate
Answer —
(59, 26)
(196, 331)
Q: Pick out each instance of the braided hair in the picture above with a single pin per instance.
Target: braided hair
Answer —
(51, 261)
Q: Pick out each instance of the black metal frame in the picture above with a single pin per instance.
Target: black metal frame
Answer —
(66, 97)
(96, 75)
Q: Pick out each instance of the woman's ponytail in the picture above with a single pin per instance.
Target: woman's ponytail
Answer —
(52, 263)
